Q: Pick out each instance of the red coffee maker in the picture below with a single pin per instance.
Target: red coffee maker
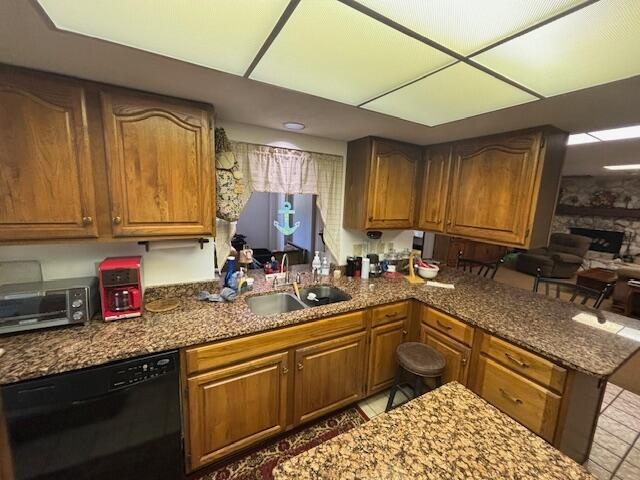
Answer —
(121, 287)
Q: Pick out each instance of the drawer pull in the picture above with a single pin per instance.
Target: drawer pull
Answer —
(404, 332)
(300, 366)
(511, 398)
(285, 370)
(517, 361)
(391, 315)
(442, 325)
(87, 221)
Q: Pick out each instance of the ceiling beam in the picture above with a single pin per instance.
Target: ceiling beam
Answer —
(272, 36)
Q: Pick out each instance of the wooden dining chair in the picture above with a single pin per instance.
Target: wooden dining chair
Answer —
(485, 269)
(578, 292)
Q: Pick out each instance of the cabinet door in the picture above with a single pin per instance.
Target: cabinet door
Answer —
(46, 180)
(329, 375)
(456, 355)
(159, 164)
(392, 185)
(234, 407)
(435, 188)
(493, 187)
(382, 354)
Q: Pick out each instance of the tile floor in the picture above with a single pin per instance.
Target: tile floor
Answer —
(615, 454)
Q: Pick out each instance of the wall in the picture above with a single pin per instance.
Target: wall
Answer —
(64, 260)
(579, 191)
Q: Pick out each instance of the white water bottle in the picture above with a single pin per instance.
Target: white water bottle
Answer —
(364, 269)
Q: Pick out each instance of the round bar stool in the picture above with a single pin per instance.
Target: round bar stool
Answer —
(422, 362)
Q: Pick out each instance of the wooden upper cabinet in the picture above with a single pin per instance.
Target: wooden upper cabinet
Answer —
(159, 164)
(381, 184)
(504, 187)
(435, 188)
(46, 179)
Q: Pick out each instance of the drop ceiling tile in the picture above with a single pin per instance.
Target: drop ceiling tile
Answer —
(457, 92)
(466, 26)
(222, 34)
(595, 45)
(330, 50)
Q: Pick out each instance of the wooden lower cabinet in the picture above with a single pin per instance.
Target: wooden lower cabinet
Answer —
(382, 354)
(234, 407)
(328, 375)
(456, 354)
(523, 400)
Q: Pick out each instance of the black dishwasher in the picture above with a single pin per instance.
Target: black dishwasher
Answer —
(119, 421)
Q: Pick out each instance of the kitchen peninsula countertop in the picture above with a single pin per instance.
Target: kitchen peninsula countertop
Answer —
(449, 433)
(537, 323)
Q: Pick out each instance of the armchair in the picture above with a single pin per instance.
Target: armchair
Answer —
(561, 259)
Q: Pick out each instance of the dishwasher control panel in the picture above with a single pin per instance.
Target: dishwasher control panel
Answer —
(140, 371)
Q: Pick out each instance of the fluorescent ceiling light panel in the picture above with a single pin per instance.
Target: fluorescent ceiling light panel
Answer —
(222, 34)
(333, 51)
(631, 166)
(457, 92)
(618, 133)
(595, 45)
(466, 26)
(581, 138)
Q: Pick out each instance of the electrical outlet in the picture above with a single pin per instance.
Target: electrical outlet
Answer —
(357, 249)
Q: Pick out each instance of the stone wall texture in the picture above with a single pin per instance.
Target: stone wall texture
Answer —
(622, 191)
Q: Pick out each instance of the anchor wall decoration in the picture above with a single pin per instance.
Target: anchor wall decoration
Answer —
(286, 213)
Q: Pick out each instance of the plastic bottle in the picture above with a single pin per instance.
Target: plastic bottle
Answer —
(231, 268)
(316, 265)
(365, 268)
(324, 268)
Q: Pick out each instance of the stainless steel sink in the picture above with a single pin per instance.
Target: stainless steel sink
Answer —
(274, 303)
(325, 295)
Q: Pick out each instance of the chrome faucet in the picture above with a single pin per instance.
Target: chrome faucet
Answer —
(285, 261)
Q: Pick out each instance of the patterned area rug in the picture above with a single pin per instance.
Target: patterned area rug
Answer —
(259, 464)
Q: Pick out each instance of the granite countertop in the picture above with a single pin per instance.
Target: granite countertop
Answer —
(540, 324)
(449, 433)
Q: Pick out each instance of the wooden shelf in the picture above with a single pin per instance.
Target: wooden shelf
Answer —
(598, 211)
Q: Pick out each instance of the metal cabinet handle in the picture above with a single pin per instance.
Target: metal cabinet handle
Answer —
(517, 361)
(509, 397)
(117, 220)
(442, 325)
(404, 332)
(87, 220)
(285, 370)
(300, 366)
(448, 222)
(464, 360)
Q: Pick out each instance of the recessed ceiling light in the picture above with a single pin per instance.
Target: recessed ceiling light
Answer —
(618, 133)
(580, 138)
(630, 166)
(293, 125)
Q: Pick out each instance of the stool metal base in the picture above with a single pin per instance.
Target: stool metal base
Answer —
(417, 386)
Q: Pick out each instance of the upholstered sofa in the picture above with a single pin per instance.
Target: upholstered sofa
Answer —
(561, 259)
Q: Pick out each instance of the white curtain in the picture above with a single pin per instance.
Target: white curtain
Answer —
(284, 170)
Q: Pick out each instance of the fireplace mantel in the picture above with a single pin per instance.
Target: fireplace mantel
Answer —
(597, 211)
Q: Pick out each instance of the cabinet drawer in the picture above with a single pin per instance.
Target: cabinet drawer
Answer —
(389, 313)
(530, 404)
(201, 359)
(528, 364)
(448, 325)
